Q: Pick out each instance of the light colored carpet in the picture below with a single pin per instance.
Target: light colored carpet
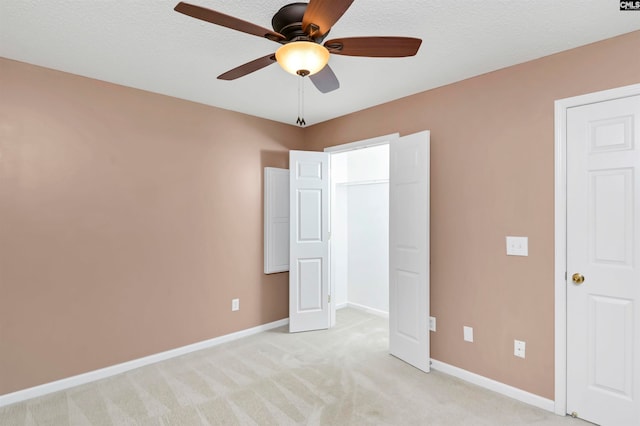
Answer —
(342, 376)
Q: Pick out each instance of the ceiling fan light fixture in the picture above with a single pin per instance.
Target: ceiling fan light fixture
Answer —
(302, 57)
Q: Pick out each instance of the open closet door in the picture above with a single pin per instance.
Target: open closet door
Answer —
(409, 249)
(309, 245)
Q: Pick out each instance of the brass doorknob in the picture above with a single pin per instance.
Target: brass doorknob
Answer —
(577, 278)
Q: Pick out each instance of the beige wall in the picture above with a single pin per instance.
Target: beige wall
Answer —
(128, 222)
(492, 175)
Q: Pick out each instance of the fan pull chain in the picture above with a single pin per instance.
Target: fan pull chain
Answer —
(300, 121)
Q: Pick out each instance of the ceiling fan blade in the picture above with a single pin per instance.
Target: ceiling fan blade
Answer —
(248, 68)
(323, 14)
(218, 18)
(375, 47)
(325, 80)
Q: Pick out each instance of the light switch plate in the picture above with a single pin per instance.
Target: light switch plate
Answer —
(517, 246)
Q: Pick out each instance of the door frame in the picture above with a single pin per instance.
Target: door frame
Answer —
(351, 146)
(366, 143)
(560, 237)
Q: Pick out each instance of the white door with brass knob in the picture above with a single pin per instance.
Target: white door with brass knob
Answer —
(603, 261)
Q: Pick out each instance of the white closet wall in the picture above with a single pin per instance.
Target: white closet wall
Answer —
(361, 227)
(368, 251)
(339, 230)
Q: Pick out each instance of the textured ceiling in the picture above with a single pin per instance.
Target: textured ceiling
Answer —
(146, 45)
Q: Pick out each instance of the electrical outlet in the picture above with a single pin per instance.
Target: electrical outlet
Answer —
(519, 348)
(235, 304)
(432, 323)
(468, 334)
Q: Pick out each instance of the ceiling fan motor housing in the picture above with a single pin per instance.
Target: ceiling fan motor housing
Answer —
(288, 22)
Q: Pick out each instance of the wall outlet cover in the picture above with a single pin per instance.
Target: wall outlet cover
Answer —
(432, 323)
(468, 334)
(519, 348)
(235, 304)
(517, 246)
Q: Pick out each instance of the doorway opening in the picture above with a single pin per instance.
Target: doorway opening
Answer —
(359, 223)
(360, 229)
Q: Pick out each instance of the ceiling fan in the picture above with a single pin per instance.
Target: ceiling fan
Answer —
(301, 28)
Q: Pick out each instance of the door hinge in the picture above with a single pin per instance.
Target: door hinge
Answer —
(565, 275)
(329, 301)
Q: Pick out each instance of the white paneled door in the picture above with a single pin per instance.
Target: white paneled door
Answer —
(308, 238)
(409, 249)
(603, 262)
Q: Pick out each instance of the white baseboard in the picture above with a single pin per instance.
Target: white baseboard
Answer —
(373, 311)
(91, 376)
(501, 388)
